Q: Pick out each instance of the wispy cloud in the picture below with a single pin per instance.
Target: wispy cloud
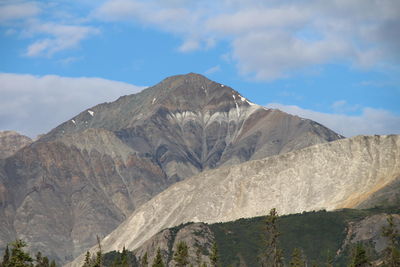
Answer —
(61, 37)
(35, 104)
(213, 70)
(370, 121)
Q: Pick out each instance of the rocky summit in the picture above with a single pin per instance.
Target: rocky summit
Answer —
(89, 174)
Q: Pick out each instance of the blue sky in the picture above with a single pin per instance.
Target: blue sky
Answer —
(336, 62)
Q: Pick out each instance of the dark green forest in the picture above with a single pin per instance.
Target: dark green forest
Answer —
(306, 239)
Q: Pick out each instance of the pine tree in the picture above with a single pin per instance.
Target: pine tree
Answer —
(124, 258)
(87, 262)
(359, 257)
(329, 259)
(274, 255)
(297, 259)
(144, 261)
(19, 258)
(214, 255)
(392, 252)
(158, 262)
(53, 264)
(46, 263)
(6, 257)
(41, 261)
(181, 256)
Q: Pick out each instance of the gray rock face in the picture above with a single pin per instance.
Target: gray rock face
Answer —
(338, 174)
(89, 174)
(369, 230)
(197, 236)
(11, 142)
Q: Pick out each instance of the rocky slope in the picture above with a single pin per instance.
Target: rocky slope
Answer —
(198, 237)
(11, 142)
(87, 175)
(329, 176)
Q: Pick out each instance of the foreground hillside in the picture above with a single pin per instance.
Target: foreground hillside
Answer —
(340, 174)
(89, 174)
(321, 236)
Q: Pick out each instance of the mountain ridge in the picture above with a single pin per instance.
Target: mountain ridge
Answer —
(324, 176)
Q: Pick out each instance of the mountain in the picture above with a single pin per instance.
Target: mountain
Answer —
(11, 142)
(339, 174)
(89, 174)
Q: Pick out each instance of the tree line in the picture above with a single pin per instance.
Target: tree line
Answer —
(17, 257)
(272, 255)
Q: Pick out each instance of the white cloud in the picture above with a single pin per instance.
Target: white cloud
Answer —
(63, 37)
(268, 39)
(14, 10)
(370, 121)
(32, 20)
(274, 39)
(35, 104)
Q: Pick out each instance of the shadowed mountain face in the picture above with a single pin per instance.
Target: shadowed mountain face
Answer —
(86, 176)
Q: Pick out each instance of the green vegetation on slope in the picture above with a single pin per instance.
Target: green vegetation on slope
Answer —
(318, 234)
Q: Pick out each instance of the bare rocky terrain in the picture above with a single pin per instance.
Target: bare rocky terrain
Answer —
(11, 142)
(340, 174)
(89, 174)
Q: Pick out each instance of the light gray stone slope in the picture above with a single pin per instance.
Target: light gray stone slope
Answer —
(328, 176)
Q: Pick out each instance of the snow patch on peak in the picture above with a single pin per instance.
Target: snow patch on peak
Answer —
(222, 85)
(73, 121)
(154, 100)
(91, 112)
(250, 103)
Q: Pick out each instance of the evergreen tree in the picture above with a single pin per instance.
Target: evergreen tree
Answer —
(19, 258)
(117, 261)
(88, 260)
(124, 258)
(274, 255)
(46, 263)
(392, 252)
(41, 261)
(144, 261)
(297, 259)
(329, 259)
(214, 255)
(158, 262)
(53, 264)
(98, 261)
(359, 257)
(181, 255)
(6, 257)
